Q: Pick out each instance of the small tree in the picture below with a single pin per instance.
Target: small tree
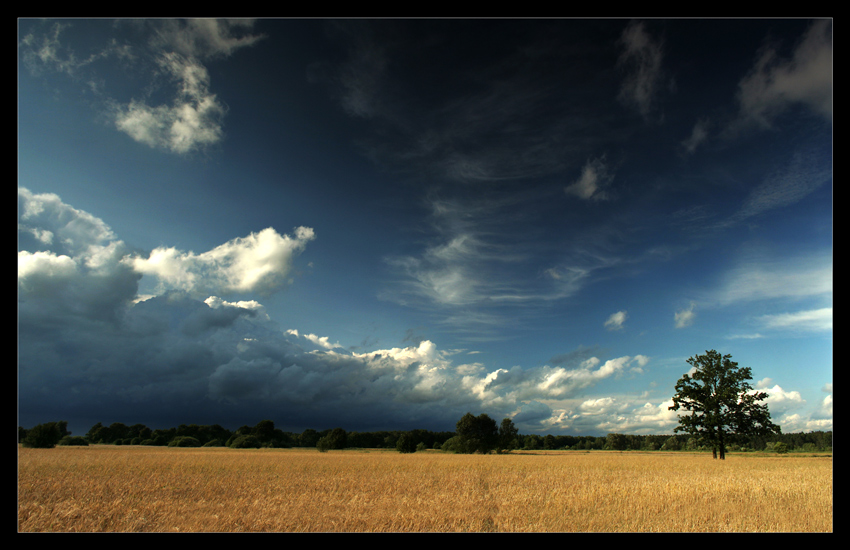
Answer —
(45, 436)
(508, 433)
(721, 403)
(405, 444)
(324, 444)
(477, 434)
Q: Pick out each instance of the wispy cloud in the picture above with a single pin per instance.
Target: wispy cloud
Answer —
(594, 181)
(817, 320)
(792, 277)
(698, 136)
(641, 58)
(774, 84)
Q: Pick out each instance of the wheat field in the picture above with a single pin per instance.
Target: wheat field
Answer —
(106, 488)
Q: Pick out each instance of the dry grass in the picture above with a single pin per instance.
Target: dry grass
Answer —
(159, 489)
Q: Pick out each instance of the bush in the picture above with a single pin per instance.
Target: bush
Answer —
(75, 440)
(405, 444)
(184, 441)
(780, 447)
(245, 442)
(44, 436)
(214, 443)
(324, 444)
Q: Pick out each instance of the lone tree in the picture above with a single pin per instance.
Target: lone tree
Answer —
(721, 402)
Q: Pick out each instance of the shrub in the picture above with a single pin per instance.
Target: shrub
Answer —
(184, 441)
(214, 443)
(405, 444)
(75, 440)
(245, 442)
(43, 436)
(324, 444)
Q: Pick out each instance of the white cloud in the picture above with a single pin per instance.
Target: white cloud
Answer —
(773, 83)
(194, 117)
(685, 317)
(616, 320)
(779, 400)
(790, 277)
(260, 262)
(322, 341)
(810, 320)
(203, 38)
(192, 121)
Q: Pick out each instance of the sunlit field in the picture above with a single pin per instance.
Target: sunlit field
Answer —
(168, 489)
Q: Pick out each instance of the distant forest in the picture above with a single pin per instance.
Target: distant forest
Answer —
(264, 434)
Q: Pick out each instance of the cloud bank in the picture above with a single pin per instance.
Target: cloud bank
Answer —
(91, 347)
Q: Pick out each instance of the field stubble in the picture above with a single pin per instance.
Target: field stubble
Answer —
(160, 489)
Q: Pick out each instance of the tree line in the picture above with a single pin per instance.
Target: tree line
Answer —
(473, 434)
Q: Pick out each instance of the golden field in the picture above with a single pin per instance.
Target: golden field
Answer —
(160, 489)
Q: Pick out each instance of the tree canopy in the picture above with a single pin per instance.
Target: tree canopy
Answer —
(721, 403)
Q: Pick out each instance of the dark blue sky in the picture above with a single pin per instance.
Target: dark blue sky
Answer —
(381, 224)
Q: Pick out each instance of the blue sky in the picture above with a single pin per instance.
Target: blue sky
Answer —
(384, 224)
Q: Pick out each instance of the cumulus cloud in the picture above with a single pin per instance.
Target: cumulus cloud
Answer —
(685, 317)
(260, 262)
(204, 38)
(193, 119)
(616, 321)
(778, 400)
(773, 84)
(69, 260)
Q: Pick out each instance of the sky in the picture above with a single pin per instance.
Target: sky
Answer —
(385, 224)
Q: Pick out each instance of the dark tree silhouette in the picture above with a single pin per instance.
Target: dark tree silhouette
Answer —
(720, 402)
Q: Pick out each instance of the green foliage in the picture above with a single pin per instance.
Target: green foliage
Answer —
(45, 436)
(184, 441)
(324, 444)
(452, 445)
(720, 402)
(73, 440)
(245, 442)
(508, 435)
(405, 444)
(478, 434)
(338, 438)
(616, 442)
(780, 447)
